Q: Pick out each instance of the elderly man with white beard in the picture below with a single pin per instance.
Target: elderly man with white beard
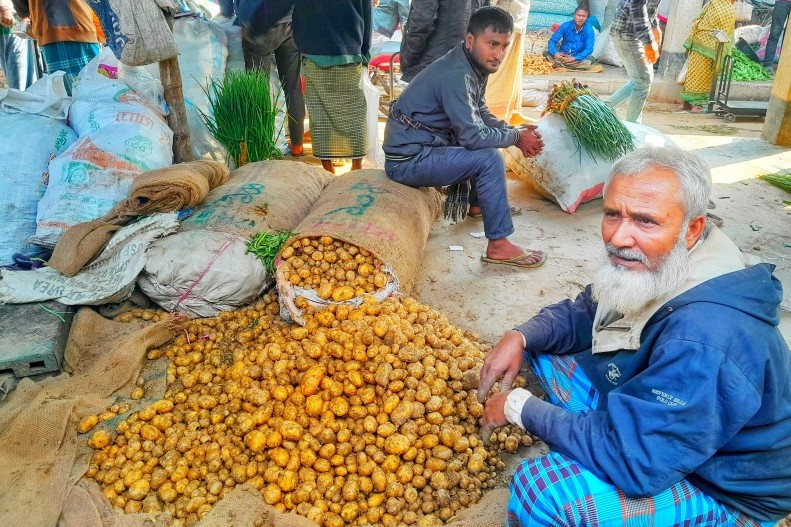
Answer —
(668, 380)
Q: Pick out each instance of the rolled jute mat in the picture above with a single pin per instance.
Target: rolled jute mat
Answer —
(164, 190)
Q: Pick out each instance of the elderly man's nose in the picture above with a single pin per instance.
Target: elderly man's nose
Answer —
(622, 235)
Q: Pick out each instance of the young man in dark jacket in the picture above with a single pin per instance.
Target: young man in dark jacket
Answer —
(440, 133)
(669, 380)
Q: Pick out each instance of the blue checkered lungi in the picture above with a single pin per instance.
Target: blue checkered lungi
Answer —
(70, 57)
(553, 490)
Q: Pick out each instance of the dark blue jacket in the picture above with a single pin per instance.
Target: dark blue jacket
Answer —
(336, 27)
(447, 95)
(707, 397)
(567, 40)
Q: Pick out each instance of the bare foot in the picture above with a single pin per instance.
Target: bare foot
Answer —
(504, 249)
(357, 164)
(474, 211)
(327, 165)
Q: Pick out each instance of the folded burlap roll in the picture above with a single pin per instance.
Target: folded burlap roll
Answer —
(164, 190)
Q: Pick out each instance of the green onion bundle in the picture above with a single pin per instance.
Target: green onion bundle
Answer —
(242, 116)
(745, 69)
(782, 181)
(592, 124)
(266, 245)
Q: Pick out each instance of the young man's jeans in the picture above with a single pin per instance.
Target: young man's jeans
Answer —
(277, 46)
(641, 75)
(779, 17)
(440, 166)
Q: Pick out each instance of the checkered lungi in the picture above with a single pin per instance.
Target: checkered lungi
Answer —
(70, 57)
(335, 101)
(554, 490)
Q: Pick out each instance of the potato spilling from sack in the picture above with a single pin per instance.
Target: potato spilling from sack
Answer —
(365, 415)
(336, 270)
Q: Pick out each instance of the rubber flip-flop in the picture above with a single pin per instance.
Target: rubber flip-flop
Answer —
(515, 211)
(517, 260)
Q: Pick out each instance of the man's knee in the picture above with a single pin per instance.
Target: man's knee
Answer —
(491, 159)
(536, 488)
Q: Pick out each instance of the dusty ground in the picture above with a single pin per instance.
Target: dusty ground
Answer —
(491, 299)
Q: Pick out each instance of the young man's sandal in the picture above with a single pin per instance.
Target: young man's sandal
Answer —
(515, 211)
(523, 260)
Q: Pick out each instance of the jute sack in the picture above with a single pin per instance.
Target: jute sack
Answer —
(203, 269)
(365, 208)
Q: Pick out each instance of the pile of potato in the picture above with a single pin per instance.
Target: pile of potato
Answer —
(536, 65)
(336, 270)
(365, 415)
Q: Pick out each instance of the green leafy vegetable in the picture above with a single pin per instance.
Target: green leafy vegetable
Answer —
(747, 70)
(266, 245)
(592, 124)
(779, 180)
(242, 115)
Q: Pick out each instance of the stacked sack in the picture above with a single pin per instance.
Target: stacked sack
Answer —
(121, 135)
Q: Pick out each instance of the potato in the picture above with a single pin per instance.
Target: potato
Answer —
(312, 380)
(99, 440)
(87, 424)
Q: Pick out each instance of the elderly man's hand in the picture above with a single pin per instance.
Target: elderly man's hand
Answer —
(501, 363)
(6, 18)
(493, 415)
(530, 142)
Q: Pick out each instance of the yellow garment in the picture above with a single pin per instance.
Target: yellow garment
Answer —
(702, 46)
(504, 87)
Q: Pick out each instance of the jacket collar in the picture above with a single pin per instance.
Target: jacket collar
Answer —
(711, 257)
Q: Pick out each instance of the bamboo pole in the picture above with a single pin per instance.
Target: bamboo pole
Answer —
(170, 74)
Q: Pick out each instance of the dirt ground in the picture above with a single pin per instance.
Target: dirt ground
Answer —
(490, 299)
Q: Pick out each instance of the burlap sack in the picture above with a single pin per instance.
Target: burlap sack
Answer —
(369, 210)
(167, 189)
(40, 452)
(267, 196)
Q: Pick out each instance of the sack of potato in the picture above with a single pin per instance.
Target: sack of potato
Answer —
(206, 267)
(363, 237)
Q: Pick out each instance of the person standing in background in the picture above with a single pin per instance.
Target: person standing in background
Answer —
(17, 54)
(635, 33)
(388, 15)
(334, 39)
(268, 40)
(504, 88)
(65, 31)
(780, 14)
(702, 46)
(433, 28)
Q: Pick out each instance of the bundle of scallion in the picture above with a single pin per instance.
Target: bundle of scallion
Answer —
(266, 245)
(780, 180)
(592, 124)
(242, 116)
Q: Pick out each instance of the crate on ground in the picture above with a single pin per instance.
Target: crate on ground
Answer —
(34, 337)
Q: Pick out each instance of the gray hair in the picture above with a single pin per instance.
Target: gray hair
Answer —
(693, 174)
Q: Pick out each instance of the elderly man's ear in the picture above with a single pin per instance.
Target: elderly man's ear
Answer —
(694, 230)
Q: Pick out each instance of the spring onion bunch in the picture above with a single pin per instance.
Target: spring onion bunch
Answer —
(266, 245)
(592, 124)
(242, 115)
(781, 180)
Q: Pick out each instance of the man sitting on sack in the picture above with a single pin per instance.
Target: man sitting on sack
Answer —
(571, 46)
(440, 133)
(669, 380)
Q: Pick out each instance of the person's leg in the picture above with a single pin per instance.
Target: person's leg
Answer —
(641, 75)
(554, 490)
(565, 383)
(779, 17)
(69, 57)
(289, 68)
(442, 166)
(18, 61)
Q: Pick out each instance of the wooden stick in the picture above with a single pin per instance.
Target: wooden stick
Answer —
(170, 74)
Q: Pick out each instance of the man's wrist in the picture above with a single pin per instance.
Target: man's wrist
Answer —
(524, 339)
(513, 406)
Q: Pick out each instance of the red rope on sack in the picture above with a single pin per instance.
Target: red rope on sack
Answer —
(188, 292)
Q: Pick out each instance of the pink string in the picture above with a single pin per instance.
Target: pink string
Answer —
(188, 292)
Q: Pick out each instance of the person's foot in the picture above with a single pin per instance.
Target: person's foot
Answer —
(504, 249)
(296, 150)
(357, 164)
(686, 106)
(327, 165)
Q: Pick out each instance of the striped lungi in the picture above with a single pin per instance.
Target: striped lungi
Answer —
(555, 490)
(335, 101)
(70, 57)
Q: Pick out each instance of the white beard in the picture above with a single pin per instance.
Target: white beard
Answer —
(628, 292)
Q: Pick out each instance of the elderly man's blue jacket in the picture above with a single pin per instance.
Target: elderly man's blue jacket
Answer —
(706, 397)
